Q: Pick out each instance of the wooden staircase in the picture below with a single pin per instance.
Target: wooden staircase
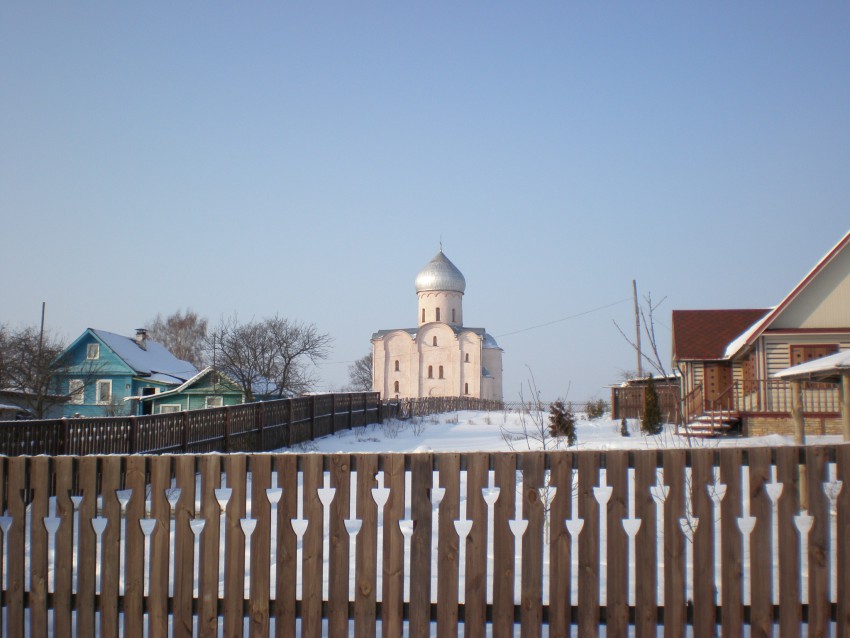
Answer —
(712, 423)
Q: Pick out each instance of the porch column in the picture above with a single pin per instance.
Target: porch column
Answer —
(845, 404)
(797, 412)
(800, 437)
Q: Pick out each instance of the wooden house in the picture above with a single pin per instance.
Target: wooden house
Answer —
(728, 359)
(103, 373)
(208, 389)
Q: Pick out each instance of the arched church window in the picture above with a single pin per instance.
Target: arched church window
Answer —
(438, 314)
(441, 372)
(396, 365)
(435, 341)
(395, 387)
(466, 359)
(465, 388)
(453, 315)
(430, 372)
(423, 315)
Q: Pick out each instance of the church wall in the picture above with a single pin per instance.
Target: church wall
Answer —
(446, 302)
(436, 357)
(470, 344)
(492, 360)
(395, 347)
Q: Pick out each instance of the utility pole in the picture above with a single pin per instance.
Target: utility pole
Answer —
(41, 332)
(637, 331)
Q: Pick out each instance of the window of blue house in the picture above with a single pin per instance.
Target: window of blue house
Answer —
(214, 402)
(76, 391)
(103, 391)
(93, 351)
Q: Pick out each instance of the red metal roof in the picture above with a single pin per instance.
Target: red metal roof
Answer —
(704, 334)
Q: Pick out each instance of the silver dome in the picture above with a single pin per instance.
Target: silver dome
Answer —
(440, 274)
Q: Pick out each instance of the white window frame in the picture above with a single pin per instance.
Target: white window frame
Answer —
(172, 408)
(218, 398)
(76, 391)
(93, 351)
(98, 394)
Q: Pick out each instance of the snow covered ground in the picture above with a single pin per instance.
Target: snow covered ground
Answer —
(504, 431)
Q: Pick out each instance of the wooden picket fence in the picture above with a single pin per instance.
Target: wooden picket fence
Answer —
(210, 544)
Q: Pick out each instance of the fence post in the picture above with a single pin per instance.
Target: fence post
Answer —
(312, 417)
(333, 413)
(134, 436)
(185, 431)
(288, 422)
(66, 435)
(260, 419)
(227, 429)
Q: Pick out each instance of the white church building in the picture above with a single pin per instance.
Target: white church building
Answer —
(440, 357)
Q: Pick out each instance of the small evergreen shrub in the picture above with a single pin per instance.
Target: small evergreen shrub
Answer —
(596, 409)
(624, 427)
(650, 422)
(562, 421)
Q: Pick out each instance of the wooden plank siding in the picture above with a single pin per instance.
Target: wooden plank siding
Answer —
(140, 574)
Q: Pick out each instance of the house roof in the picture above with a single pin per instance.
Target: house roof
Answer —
(704, 334)
(757, 329)
(188, 384)
(488, 339)
(823, 368)
(153, 361)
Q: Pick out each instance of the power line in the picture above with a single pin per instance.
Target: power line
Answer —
(554, 321)
(505, 334)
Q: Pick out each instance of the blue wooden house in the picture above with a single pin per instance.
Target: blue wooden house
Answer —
(103, 373)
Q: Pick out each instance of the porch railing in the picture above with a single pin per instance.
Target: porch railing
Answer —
(775, 396)
(761, 396)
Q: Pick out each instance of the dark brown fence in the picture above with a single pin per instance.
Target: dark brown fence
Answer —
(425, 406)
(627, 401)
(249, 427)
(427, 543)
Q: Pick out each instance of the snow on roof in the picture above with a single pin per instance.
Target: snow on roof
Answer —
(765, 323)
(186, 384)
(490, 341)
(742, 339)
(154, 360)
(825, 366)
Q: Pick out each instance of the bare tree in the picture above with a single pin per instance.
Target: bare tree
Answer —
(360, 374)
(534, 432)
(268, 357)
(30, 366)
(647, 314)
(183, 334)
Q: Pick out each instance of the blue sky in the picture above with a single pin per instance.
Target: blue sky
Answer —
(306, 159)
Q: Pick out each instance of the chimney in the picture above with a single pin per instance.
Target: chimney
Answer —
(141, 338)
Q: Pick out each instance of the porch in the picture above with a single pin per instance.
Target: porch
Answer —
(761, 401)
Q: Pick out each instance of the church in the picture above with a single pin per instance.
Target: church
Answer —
(440, 357)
